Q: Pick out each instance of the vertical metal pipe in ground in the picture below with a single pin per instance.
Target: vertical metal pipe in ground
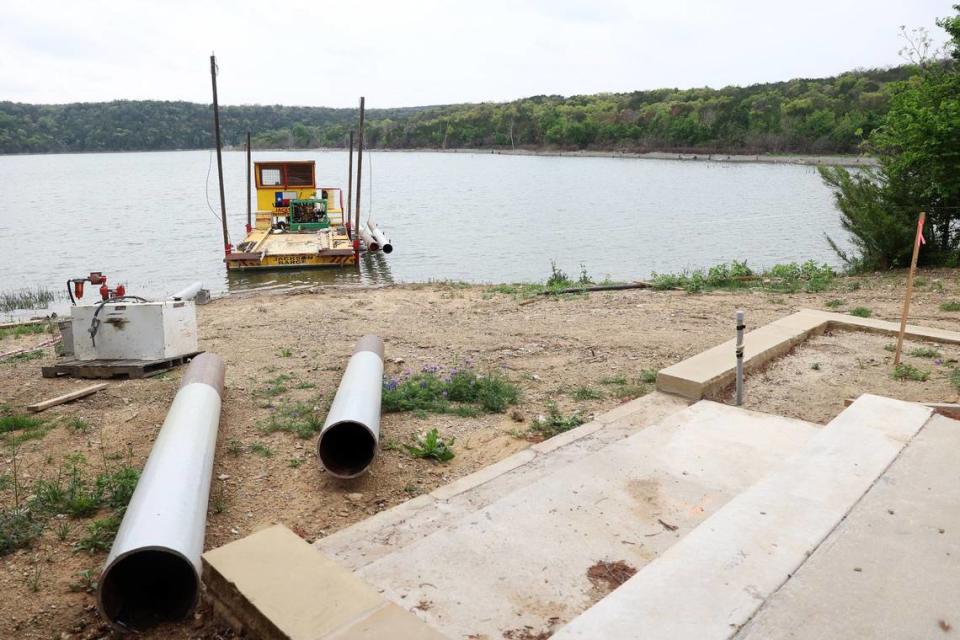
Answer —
(356, 210)
(152, 574)
(740, 328)
(348, 440)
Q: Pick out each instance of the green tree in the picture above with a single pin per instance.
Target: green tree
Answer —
(918, 148)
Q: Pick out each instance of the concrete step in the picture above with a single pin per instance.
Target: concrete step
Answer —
(713, 580)
(519, 564)
(892, 567)
(389, 531)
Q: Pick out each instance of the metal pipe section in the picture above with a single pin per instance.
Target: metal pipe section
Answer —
(188, 293)
(348, 440)
(379, 237)
(740, 328)
(372, 245)
(152, 574)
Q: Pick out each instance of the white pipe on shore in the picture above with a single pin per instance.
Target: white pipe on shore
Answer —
(372, 245)
(379, 236)
(348, 440)
(152, 574)
(188, 293)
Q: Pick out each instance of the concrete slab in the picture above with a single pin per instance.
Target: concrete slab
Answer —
(715, 368)
(714, 579)
(388, 531)
(278, 588)
(522, 560)
(892, 567)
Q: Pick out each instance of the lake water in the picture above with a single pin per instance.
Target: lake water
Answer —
(143, 218)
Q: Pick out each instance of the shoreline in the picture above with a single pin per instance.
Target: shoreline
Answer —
(798, 159)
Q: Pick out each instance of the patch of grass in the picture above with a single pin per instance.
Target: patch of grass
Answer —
(63, 530)
(306, 385)
(17, 428)
(555, 422)
(86, 582)
(18, 529)
(648, 375)
(787, 278)
(260, 449)
(587, 393)
(519, 290)
(273, 387)
(25, 356)
(219, 499)
(891, 347)
(23, 330)
(630, 391)
(294, 463)
(815, 366)
(905, 371)
(461, 391)
(284, 352)
(100, 534)
(431, 446)
(78, 425)
(919, 282)
(36, 298)
(618, 380)
(836, 302)
(234, 447)
(861, 312)
(299, 418)
(951, 305)
(18, 422)
(955, 378)
(924, 352)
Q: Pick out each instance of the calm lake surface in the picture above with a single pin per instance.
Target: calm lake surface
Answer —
(143, 218)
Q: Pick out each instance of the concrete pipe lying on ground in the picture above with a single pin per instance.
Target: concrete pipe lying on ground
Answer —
(372, 245)
(379, 237)
(152, 574)
(348, 440)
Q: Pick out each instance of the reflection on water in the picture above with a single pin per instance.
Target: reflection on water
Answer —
(373, 269)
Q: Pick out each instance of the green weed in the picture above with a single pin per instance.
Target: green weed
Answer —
(648, 375)
(298, 418)
(78, 425)
(815, 366)
(273, 387)
(953, 305)
(36, 298)
(861, 312)
(554, 422)
(100, 534)
(905, 371)
(431, 446)
(587, 393)
(836, 302)
(924, 352)
(25, 356)
(260, 449)
(294, 463)
(234, 447)
(23, 330)
(462, 392)
(618, 380)
(284, 352)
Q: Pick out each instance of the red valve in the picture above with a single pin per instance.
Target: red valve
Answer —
(121, 291)
(78, 288)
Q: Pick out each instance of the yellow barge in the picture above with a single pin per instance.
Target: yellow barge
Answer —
(297, 223)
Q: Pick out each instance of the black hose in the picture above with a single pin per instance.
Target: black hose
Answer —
(95, 322)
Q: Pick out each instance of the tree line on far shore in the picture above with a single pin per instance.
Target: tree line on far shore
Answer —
(825, 115)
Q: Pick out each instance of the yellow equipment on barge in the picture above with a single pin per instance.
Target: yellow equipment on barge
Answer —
(297, 223)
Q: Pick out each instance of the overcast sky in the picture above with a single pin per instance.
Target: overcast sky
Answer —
(411, 52)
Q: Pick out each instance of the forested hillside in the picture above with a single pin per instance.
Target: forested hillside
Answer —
(827, 115)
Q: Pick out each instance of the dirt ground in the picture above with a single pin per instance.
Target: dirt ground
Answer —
(813, 381)
(552, 348)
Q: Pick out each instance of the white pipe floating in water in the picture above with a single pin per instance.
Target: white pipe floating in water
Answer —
(348, 440)
(379, 236)
(152, 574)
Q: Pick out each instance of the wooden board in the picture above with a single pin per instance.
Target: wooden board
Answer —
(104, 369)
(67, 397)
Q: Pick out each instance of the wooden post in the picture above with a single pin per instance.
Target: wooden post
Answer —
(356, 211)
(216, 129)
(249, 205)
(906, 299)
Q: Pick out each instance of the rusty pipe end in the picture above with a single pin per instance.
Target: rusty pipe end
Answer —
(208, 369)
(370, 343)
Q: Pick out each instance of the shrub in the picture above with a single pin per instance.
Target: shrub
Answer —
(431, 446)
(905, 371)
(861, 312)
(461, 391)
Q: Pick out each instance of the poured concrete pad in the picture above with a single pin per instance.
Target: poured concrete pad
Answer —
(522, 561)
(389, 531)
(892, 567)
(713, 580)
(278, 588)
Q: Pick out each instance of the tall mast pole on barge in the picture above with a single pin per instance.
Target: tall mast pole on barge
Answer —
(216, 127)
(356, 212)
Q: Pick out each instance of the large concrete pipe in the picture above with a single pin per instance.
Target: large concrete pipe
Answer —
(348, 440)
(379, 237)
(152, 574)
(372, 245)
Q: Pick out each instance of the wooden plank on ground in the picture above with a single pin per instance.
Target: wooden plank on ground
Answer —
(67, 397)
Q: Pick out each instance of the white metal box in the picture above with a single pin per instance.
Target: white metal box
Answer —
(135, 330)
